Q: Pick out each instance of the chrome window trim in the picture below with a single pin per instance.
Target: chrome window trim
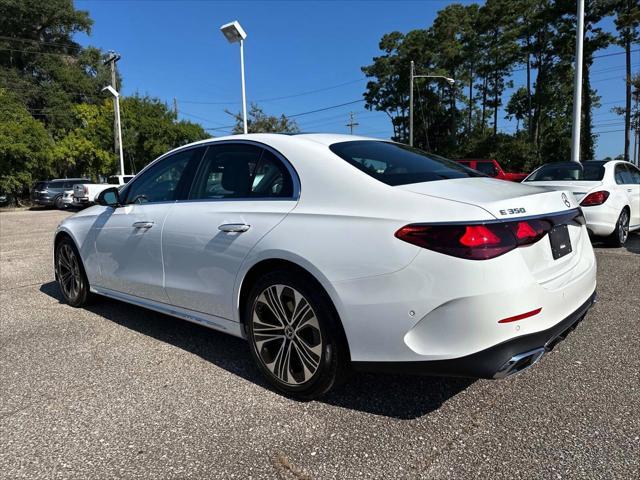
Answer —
(295, 178)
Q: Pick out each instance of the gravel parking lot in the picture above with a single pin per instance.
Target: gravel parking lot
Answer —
(115, 391)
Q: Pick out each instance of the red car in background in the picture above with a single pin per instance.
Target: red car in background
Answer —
(491, 168)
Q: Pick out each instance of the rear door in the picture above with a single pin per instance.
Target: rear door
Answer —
(241, 192)
(129, 238)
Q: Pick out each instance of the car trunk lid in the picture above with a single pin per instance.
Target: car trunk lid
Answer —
(578, 188)
(510, 201)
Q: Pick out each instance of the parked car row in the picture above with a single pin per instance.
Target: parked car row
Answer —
(72, 192)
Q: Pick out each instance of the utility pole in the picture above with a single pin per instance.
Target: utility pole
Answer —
(175, 107)
(352, 122)
(577, 86)
(111, 60)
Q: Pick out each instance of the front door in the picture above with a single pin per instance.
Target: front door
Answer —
(240, 193)
(129, 241)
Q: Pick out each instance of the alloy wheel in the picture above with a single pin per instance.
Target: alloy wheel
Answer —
(623, 227)
(286, 334)
(69, 272)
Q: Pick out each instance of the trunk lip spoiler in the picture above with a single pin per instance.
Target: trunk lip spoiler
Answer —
(563, 217)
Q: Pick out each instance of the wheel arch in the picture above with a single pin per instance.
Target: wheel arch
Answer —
(60, 234)
(266, 265)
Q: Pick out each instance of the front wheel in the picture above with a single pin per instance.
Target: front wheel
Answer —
(58, 203)
(70, 274)
(619, 236)
(294, 335)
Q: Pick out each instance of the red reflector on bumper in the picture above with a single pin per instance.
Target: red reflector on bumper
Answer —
(522, 316)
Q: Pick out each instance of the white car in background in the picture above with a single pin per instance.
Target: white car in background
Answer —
(333, 251)
(84, 194)
(608, 192)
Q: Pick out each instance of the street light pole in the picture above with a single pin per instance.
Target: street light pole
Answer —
(577, 86)
(116, 96)
(244, 93)
(413, 76)
(233, 32)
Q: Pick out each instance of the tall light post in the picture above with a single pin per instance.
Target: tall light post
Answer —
(577, 86)
(413, 76)
(233, 32)
(116, 96)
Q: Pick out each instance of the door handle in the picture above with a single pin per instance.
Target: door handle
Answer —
(142, 224)
(234, 227)
(629, 190)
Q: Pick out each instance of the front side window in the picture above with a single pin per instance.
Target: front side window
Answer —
(241, 171)
(588, 171)
(162, 182)
(396, 164)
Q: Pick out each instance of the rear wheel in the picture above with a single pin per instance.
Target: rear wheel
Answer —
(294, 335)
(619, 236)
(70, 273)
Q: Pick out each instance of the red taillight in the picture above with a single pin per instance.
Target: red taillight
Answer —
(595, 198)
(474, 242)
(478, 236)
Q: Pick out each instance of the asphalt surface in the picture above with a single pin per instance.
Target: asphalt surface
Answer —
(115, 391)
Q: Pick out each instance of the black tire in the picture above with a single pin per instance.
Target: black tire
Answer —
(319, 323)
(621, 233)
(70, 274)
(57, 202)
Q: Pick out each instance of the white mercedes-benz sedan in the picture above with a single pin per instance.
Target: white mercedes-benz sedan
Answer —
(608, 192)
(332, 252)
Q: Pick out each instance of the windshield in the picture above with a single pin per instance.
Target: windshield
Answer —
(396, 164)
(588, 171)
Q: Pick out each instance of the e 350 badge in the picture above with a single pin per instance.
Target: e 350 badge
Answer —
(512, 211)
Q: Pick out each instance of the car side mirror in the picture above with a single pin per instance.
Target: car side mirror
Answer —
(109, 197)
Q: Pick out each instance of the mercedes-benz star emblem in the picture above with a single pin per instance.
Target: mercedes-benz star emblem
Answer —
(566, 200)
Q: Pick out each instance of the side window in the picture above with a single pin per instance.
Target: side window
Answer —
(227, 171)
(621, 174)
(56, 185)
(635, 174)
(271, 178)
(162, 182)
(487, 168)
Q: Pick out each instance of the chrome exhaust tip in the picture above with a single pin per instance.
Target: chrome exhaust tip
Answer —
(519, 362)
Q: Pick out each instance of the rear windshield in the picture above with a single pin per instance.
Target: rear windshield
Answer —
(588, 171)
(40, 186)
(396, 164)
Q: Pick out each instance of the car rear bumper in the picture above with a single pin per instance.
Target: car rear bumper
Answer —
(493, 362)
(601, 219)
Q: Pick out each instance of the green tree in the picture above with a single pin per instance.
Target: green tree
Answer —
(25, 146)
(628, 25)
(260, 122)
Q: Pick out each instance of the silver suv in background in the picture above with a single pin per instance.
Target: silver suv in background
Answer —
(50, 193)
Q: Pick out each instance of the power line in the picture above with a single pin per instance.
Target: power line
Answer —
(40, 42)
(273, 99)
(325, 108)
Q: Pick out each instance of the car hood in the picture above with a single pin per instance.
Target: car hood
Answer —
(500, 198)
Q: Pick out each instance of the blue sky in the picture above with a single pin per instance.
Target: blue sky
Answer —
(173, 48)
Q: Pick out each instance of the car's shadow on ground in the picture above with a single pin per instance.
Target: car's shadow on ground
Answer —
(402, 397)
(632, 244)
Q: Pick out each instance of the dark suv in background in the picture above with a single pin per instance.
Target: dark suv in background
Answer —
(50, 192)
